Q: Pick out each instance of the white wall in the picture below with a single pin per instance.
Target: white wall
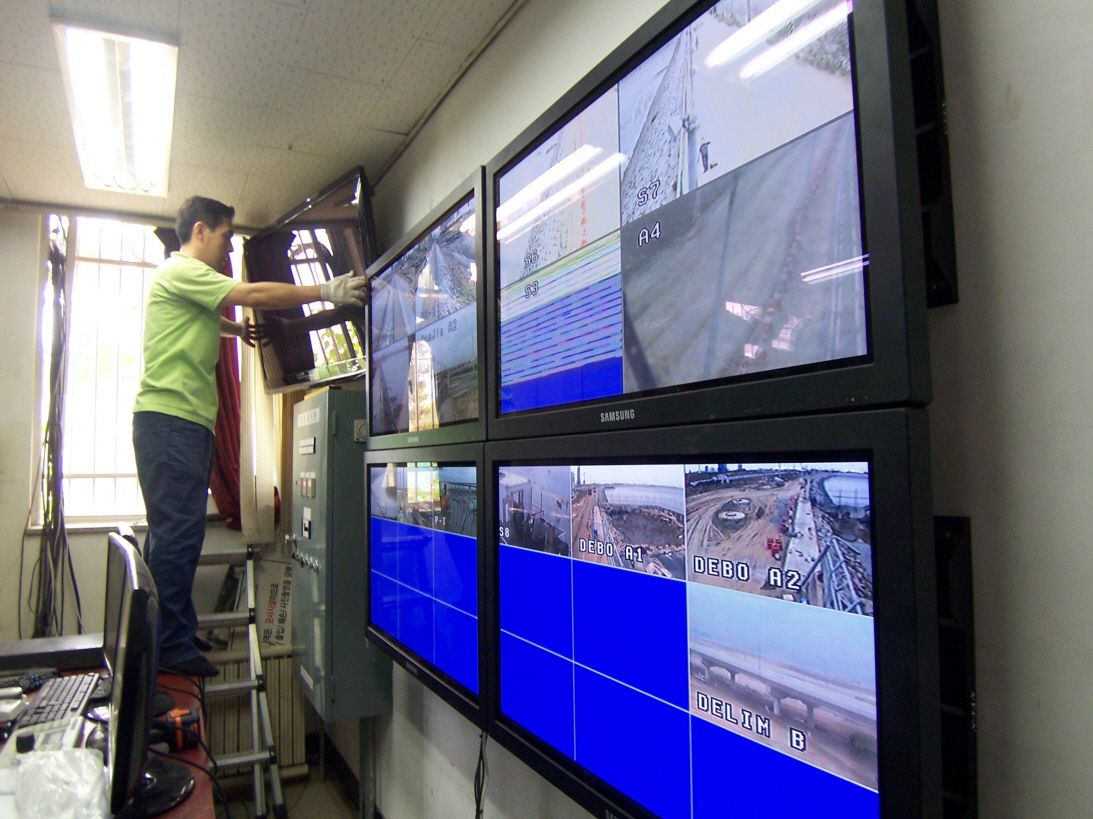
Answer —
(22, 254)
(1013, 443)
(1013, 446)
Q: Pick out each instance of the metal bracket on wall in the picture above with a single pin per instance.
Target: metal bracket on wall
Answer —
(956, 648)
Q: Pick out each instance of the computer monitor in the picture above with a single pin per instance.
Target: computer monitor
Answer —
(721, 220)
(727, 620)
(426, 569)
(426, 312)
(117, 572)
(329, 234)
(138, 786)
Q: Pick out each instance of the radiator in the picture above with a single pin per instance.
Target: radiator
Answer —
(229, 726)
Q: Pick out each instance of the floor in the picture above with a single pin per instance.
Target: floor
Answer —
(304, 798)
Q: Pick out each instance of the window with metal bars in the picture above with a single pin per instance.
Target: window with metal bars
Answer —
(111, 265)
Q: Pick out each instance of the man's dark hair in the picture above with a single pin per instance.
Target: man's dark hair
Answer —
(200, 209)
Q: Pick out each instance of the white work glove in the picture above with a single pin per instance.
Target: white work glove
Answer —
(347, 289)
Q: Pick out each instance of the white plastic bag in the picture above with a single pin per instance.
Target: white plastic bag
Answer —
(66, 784)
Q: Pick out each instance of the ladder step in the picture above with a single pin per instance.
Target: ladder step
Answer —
(245, 758)
(226, 619)
(233, 687)
(236, 557)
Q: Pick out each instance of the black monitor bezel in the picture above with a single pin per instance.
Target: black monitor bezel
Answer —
(896, 371)
(459, 431)
(470, 705)
(365, 227)
(908, 705)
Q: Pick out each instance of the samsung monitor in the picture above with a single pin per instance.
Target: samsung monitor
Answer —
(731, 620)
(425, 567)
(330, 234)
(721, 220)
(138, 786)
(427, 325)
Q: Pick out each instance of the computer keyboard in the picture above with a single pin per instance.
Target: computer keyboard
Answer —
(28, 680)
(59, 699)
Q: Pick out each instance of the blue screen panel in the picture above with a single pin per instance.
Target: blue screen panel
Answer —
(637, 743)
(455, 571)
(537, 691)
(716, 620)
(424, 559)
(456, 636)
(733, 773)
(535, 593)
(616, 637)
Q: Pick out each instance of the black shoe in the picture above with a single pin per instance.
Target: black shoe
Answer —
(193, 667)
(201, 644)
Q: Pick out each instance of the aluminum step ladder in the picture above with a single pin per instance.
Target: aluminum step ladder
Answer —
(264, 754)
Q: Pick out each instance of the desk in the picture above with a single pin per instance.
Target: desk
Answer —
(199, 804)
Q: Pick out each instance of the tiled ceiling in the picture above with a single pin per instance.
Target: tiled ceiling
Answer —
(275, 98)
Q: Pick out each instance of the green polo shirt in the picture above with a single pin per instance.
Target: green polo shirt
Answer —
(182, 340)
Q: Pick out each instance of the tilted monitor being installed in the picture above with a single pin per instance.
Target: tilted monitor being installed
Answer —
(330, 234)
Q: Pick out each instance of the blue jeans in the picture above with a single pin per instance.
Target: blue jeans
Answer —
(174, 460)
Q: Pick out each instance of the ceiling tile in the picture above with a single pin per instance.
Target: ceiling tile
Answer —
(188, 180)
(234, 51)
(373, 148)
(26, 37)
(463, 23)
(280, 180)
(428, 69)
(318, 113)
(363, 41)
(216, 134)
(40, 173)
(49, 173)
(34, 108)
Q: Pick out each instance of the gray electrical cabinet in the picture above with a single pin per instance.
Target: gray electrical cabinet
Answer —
(343, 675)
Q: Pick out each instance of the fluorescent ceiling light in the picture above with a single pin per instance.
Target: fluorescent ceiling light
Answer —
(121, 97)
(756, 30)
(808, 33)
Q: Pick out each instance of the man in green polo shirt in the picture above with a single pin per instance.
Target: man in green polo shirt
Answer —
(175, 411)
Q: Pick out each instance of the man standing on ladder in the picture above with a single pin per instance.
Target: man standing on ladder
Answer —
(175, 412)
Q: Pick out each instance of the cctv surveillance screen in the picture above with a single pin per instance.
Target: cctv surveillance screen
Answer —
(696, 223)
(424, 564)
(698, 635)
(425, 331)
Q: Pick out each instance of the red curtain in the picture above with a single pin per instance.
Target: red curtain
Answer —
(224, 481)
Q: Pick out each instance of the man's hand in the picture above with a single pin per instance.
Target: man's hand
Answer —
(347, 289)
(248, 332)
(269, 329)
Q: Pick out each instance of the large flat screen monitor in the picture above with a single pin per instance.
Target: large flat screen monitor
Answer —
(427, 322)
(733, 620)
(720, 221)
(425, 568)
(327, 235)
